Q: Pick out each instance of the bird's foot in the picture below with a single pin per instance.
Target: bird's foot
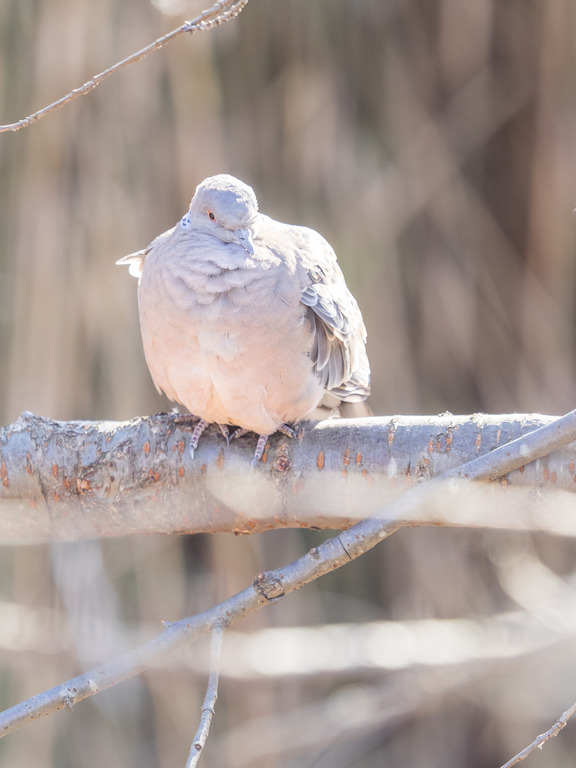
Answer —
(293, 432)
(262, 440)
(199, 430)
(290, 431)
(184, 418)
(225, 432)
(260, 447)
(196, 435)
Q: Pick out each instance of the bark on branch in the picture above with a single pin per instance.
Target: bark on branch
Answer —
(219, 13)
(270, 586)
(75, 480)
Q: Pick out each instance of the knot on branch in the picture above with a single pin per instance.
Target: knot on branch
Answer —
(269, 586)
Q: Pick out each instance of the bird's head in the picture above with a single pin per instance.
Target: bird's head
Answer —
(226, 208)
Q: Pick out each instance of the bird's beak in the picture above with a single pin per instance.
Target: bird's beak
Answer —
(244, 237)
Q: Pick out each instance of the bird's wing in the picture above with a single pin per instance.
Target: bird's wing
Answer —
(339, 334)
(135, 261)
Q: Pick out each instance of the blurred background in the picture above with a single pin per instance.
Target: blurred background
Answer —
(432, 143)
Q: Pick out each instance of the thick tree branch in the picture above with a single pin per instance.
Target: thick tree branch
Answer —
(220, 12)
(272, 585)
(76, 480)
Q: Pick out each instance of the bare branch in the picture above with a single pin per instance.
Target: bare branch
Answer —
(540, 740)
(209, 700)
(77, 480)
(490, 466)
(220, 12)
(272, 585)
(266, 588)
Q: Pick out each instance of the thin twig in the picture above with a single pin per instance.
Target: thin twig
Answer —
(539, 741)
(272, 585)
(207, 712)
(220, 12)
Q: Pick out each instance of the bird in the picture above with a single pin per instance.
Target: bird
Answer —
(247, 321)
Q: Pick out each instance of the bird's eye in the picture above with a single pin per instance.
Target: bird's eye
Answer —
(211, 216)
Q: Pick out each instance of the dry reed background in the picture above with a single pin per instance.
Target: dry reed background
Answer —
(432, 143)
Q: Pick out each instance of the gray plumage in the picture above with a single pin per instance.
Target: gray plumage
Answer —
(247, 321)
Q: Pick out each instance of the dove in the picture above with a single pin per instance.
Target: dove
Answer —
(246, 321)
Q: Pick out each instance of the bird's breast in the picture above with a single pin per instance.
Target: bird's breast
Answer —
(232, 347)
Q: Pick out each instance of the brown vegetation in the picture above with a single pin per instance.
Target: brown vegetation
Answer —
(432, 144)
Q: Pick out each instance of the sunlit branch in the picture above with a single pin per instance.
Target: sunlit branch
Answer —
(540, 740)
(220, 12)
(207, 712)
(270, 586)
